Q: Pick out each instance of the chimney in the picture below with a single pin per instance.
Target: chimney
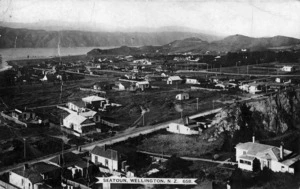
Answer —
(126, 168)
(253, 139)
(26, 166)
(123, 165)
(281, 151)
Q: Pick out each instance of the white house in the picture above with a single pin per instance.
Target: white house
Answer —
(119, 86)
(77, 123)
(276, 159)
(95, 102)
(76, 106)
(173, 80)
(105, 157)
(180, 128)
(244, 87)
(288, 68)
(254, 88)
(32, 176)
(192, 81)
(142, 85)
(182, 96)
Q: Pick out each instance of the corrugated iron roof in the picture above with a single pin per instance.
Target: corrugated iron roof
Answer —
(93, 98)
(107, 153)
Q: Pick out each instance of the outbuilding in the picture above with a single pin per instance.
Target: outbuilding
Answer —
(182, 96)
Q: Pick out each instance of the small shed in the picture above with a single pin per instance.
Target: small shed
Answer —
(182, 96)
(173, 80)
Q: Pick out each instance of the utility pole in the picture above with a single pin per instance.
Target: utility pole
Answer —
(213, 102)
(144, 119)
(24, 148)
(197, 104)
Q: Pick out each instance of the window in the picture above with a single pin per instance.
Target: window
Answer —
(96, 159)
(106, 162)
(245, 162)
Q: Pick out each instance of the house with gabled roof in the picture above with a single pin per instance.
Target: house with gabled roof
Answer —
(33, 176)
(185, 127)
(72, 162)
(78, 123)
(173, 80)
(275, 158)
(108, 158)
(95, 102)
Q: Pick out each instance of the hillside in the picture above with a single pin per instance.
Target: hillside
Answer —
(197, 45)
(232, 43)
(26, 38)
(266, 118)
(237, 42)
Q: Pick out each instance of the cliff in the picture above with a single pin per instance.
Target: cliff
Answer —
(268, 117)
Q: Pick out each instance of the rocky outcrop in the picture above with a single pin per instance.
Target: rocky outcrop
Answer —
(271, 115)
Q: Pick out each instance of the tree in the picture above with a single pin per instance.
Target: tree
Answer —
(176, 163)
(256, 165)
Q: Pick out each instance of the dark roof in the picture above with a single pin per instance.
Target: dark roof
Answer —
(79, 103)
(127, 84)
(68, 159)
(107, 153)
(33, 172)
(43, 167)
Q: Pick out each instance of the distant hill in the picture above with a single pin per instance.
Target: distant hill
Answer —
(27, 38)
(231, 44)
(237, 42)
(196, 45)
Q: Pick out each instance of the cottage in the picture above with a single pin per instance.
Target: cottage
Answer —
(192, 81)
(186, 128)
(95, 102)
(77, 106)
(33, 176)
(255, 88)
(173, 80)
(288, 68)
(23, 114)
(276, 159)
(142, 85)
(182, 96)
(105, 157)
(283, 80)
(218, 79)
(119, 86)
(182, 129)
(78, 123)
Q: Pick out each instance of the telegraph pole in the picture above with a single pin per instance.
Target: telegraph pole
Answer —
(24, 148)
(197, 104)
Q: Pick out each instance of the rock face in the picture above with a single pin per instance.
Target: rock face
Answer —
(270, 116)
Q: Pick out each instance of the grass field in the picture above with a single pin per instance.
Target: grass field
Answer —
(181, 145)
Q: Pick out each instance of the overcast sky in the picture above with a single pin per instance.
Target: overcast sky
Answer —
(255, 18)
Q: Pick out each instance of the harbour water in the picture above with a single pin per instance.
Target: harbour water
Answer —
(33, 53)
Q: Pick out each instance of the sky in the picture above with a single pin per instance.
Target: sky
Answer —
(256, 18)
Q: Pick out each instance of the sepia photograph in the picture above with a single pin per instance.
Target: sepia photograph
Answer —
(149, 94)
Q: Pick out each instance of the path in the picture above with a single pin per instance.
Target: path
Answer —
(166, 156)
